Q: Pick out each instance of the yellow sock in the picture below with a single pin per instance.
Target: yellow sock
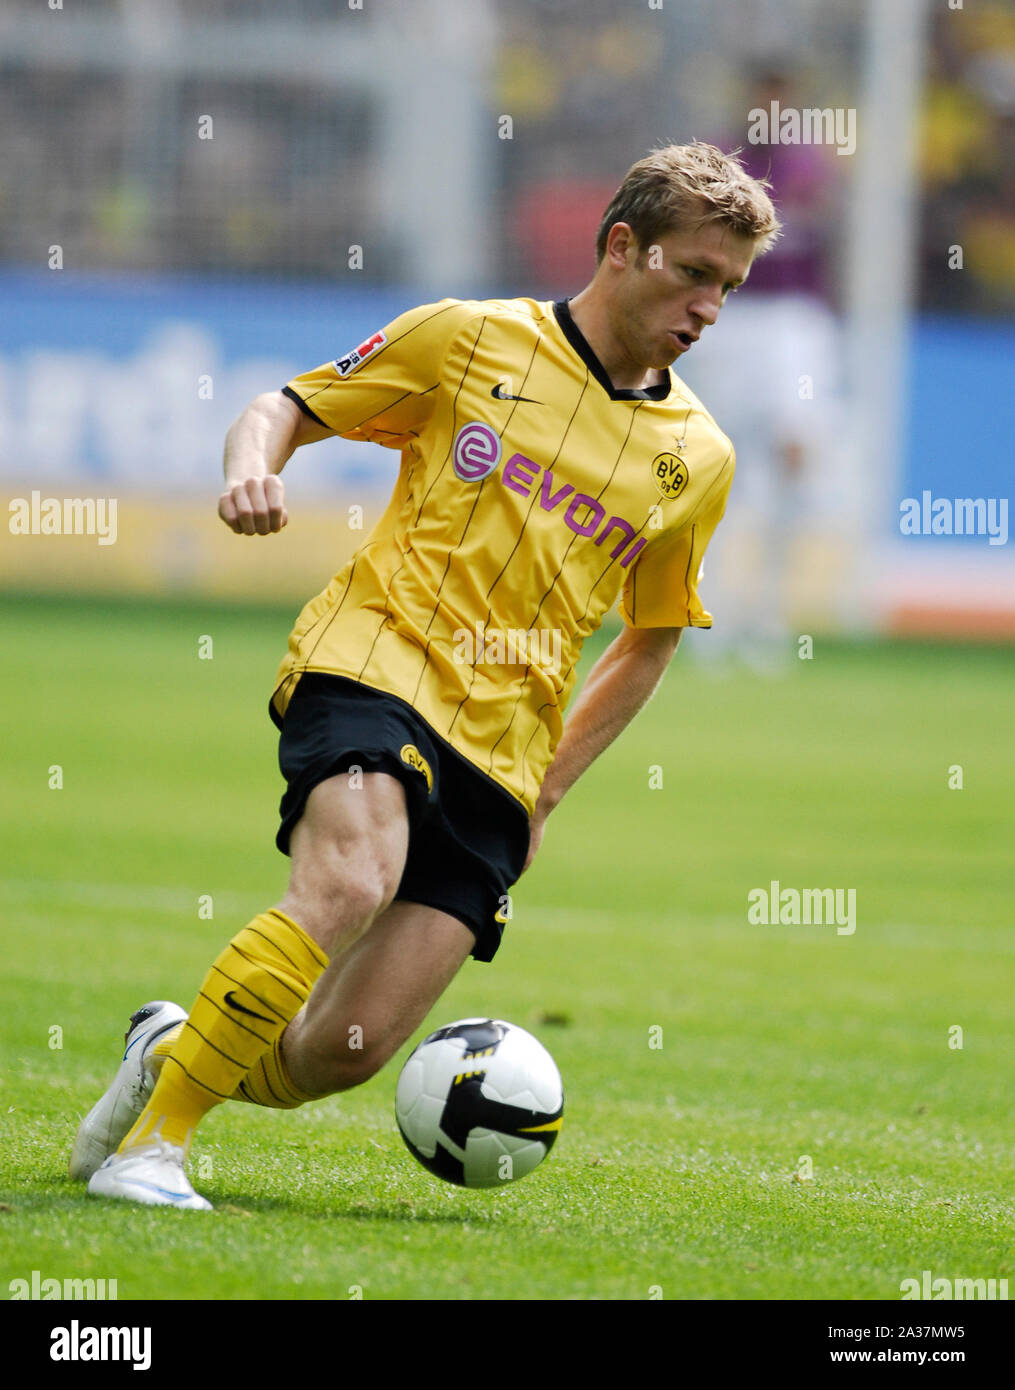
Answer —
(259, 982)
(165, 1044)
(268, 1082)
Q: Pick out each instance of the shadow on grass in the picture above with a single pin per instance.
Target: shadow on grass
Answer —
(62, 1196)
(414, 1215)
(241, 1204)
(54, 1192)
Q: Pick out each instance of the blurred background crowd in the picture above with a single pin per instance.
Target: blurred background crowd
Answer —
(102, 146)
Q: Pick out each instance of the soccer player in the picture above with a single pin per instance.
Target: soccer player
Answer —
(551, 465)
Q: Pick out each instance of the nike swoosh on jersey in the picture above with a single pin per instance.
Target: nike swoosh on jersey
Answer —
(500, 395)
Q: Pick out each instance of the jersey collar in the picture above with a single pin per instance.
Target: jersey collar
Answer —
(577, 339)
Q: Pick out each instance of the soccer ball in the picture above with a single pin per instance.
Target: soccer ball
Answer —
(479, 1102)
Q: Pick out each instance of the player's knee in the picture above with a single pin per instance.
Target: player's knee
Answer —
(361, 887)
(339, 898)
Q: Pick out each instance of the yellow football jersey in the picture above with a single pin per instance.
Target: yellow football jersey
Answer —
(531, 496)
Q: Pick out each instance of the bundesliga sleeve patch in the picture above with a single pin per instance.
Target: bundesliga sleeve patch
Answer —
(351, 360)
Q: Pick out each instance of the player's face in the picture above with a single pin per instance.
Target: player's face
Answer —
(666, 295)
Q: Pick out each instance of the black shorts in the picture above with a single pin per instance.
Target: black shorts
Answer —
(468, 837)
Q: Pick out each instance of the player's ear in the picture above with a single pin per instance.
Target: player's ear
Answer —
(621, 245)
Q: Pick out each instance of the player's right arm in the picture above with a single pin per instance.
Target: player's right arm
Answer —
(258, 446)
(383, 392)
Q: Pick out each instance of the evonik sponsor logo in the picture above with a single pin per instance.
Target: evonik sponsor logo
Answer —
(476, 452)
(584, 515)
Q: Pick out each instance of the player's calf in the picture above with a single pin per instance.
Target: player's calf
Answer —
(370, 1001)
(350, 1062)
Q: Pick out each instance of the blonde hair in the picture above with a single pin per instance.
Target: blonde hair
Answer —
(685, 186)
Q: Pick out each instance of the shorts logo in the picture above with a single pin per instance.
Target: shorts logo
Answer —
(670, 474)
(476, 452)
(351, 360)
(413, 758)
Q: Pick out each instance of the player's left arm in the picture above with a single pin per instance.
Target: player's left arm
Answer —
(620, 684)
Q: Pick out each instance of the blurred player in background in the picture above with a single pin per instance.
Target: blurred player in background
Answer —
(773, 378)
(551, 464)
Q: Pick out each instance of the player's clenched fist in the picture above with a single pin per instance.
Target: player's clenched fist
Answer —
(255, 506)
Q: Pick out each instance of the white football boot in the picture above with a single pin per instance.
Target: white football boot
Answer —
(152, 1174)
(103, 1128)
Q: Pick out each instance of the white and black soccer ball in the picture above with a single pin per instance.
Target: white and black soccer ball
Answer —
(479, 1103)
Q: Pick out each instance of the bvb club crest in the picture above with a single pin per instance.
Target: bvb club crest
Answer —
(670, 474)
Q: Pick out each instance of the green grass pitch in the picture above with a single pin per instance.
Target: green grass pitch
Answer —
(703, 1056)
